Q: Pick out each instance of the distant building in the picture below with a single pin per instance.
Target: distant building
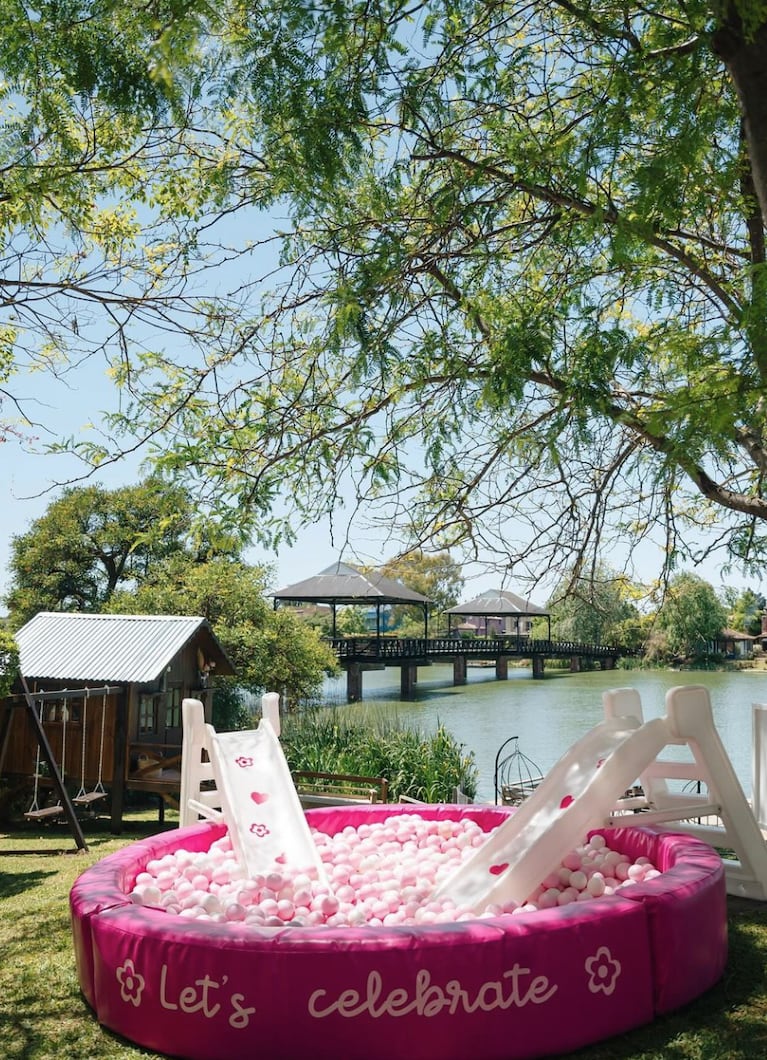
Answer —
(734, 644)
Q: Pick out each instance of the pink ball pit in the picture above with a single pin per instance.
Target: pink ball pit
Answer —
(504, 988)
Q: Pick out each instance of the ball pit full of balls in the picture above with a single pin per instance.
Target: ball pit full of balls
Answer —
(377, 874)
(179, 951)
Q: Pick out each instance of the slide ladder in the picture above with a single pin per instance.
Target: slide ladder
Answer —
(582, 789)
(720, 794)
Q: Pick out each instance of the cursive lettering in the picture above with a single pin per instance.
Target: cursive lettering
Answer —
(199, 997)
(514, 989)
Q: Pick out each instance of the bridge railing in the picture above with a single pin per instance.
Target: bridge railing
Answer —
(399, 648)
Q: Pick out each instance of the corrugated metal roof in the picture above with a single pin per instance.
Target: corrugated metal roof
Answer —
(497, 602)
(78, 647)
(343, 584)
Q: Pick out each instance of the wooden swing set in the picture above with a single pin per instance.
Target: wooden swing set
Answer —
(34, 705)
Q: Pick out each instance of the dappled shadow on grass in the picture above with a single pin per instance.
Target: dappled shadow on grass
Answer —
(65, 1027)
(729, 1022)
(12, 883)
(55, 837)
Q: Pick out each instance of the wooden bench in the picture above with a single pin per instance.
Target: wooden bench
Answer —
(337, 789)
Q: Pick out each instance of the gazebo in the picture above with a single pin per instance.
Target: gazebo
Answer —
(342, 584)
(503, 607)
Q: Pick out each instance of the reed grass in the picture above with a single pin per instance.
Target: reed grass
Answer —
(369, 742)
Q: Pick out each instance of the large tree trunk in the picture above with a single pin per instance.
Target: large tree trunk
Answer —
(743, 50)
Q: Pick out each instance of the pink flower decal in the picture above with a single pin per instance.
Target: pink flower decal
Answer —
(243, 761)
(259, 830)
(131, 983)
(603, 971)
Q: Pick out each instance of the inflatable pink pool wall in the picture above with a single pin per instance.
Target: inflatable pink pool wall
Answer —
(505, 988)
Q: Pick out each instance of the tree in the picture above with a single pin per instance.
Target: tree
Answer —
(434, 575)
(9, 662)
(745, 610)
(597, 609)
(270, 651)
(527, 313)
(91, 540)
(691, 616)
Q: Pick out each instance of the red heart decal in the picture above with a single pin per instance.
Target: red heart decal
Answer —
(496, 870)
(568, 799)
(280, 859)
(258, 797)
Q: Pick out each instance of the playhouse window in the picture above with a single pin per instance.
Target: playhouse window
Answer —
(147, 714)
(173, 709)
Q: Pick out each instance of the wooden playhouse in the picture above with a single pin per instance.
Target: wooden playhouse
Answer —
(106, 691)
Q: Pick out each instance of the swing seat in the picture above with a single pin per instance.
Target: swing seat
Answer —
(44, 811)
(88, 797)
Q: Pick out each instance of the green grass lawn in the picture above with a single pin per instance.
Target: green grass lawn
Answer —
(43, 1015)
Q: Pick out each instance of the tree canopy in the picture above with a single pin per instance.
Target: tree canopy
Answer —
(103, 174)
(692, 617)
(533, 293)
(92, 540)
(270, 650)
(521, 302)
(598, 609)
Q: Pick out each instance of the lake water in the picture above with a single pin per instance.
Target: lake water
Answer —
(549, 715)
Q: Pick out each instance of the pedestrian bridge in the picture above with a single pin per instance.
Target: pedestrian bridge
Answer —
(359, 653)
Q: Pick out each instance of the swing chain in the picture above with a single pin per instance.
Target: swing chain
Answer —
(100, 786)
(81, 793)
(83, 796)
(35, 804)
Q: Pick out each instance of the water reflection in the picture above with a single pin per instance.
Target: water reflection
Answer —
(548, 716)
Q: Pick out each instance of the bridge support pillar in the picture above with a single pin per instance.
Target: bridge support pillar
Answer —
(353, 683)
(459, 670)
(538, 666)
(607, 664)
(407, 681)
(575, 664)
(501, 669)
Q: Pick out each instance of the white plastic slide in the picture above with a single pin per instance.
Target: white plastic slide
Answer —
(575, 796)
(259, 801)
